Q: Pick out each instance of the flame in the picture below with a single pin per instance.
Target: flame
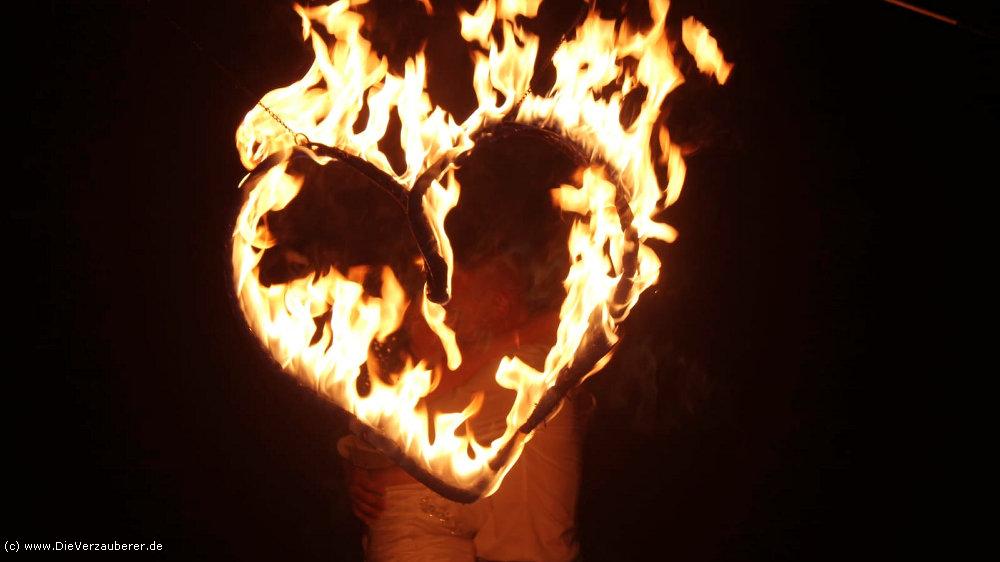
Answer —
(326, 105)
(705, 50)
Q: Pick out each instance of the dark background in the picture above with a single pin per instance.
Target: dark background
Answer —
(829, 232)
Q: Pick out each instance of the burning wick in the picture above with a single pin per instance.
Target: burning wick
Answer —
(923, 12)
(939, 17)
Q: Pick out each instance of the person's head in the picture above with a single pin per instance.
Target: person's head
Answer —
(338, 219)
(508, 238)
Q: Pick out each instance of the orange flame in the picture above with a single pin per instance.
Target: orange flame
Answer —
(705, 50)
(347, 76)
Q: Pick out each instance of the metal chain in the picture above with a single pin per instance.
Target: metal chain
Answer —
(301, 138)
(234, 79)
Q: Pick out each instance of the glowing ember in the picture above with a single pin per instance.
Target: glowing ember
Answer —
(615, 204)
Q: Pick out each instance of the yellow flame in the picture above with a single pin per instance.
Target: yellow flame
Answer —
(705, 50)
(326, 105)
(476, 27)
(393, 304)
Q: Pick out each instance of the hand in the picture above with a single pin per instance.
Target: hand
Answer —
(367, 496)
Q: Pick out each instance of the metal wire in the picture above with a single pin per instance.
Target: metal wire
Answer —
(233, 78)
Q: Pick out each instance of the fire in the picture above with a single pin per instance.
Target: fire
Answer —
(611, 262)
(705, 50)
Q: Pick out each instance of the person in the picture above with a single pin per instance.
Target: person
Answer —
(532, 515)
(506, 291)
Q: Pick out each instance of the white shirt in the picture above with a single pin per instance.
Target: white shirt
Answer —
(532, 516)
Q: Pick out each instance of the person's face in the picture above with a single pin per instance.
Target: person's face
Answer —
(486, 300)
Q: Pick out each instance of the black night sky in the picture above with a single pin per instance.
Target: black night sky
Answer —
(830, 213)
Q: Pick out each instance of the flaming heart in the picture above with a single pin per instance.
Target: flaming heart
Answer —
(323, 328)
